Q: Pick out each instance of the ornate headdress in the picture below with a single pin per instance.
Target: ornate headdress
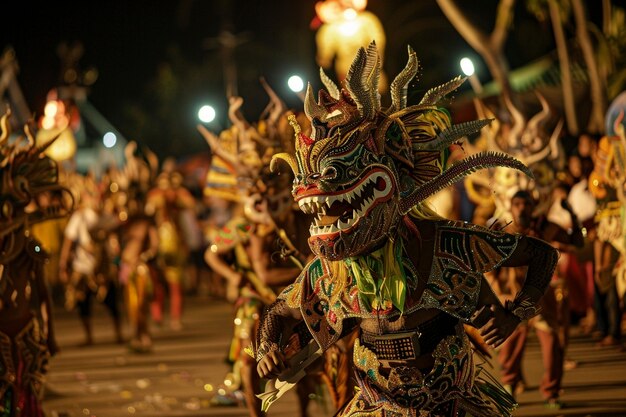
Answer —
(363, 167)
(241, 158)
(130, 185)
(534, 145)
(29, 187)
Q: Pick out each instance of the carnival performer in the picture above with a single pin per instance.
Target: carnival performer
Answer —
(606, 183)
(83, 262)
(167, 201)
(244, 250)
(389, 266)
(548, 324)
(30, 193)
(138, 242)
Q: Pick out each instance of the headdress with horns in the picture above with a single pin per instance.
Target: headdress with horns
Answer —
(397, 151)
(26, 174)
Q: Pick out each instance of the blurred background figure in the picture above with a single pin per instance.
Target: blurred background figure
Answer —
(169, 201)
(84, 264)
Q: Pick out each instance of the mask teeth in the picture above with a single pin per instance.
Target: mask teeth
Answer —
(317, 204)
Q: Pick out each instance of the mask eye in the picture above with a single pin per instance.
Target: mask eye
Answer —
(335, 113)
(329, 173)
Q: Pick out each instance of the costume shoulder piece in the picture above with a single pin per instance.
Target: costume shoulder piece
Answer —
(472, 248)
(462, 253)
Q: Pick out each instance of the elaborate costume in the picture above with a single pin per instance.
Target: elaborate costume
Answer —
(29, 193)
(167, 201)
(138, 241)
(83, 263)
(606, 183)
(261, 240)
(388, 265)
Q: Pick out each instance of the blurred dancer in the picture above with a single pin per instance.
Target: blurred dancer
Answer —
(83, 264)
(167, 201)
(139, 244)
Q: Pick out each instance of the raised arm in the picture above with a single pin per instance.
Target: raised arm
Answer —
(260, 260)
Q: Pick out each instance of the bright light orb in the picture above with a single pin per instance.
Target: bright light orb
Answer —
(206, 114)
(109, 140)
(295, 83)
(467, 66)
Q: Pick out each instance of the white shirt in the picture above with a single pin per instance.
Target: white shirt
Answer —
(77, 230)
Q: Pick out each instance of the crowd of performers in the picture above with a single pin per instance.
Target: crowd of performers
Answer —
(329, 232)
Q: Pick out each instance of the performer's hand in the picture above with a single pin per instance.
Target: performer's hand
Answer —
(499, 327)
(272, 364)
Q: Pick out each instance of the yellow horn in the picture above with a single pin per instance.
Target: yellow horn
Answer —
(6, 127)
(287, 158)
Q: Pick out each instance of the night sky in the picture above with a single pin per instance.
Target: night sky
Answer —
(136, 45)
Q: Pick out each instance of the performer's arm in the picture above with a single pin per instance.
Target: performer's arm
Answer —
(565, 240)
(541, 259)
(153, 244)
(64, 256)
(270, 359)
(494, 322)
(260, 257)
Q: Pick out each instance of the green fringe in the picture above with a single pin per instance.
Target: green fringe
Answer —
(380, 277)
(491, 387)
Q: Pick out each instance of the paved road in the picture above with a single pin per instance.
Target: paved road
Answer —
(180, 375)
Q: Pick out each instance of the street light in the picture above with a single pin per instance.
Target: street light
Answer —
(109, 140)
(467, 66)
(295, 83)
(206, 114)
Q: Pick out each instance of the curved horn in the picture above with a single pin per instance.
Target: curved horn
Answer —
(153, 162)
(519, 123)
(235, 116)
(131, 170)
(311, 108)
(277, 106)
(547, 150)
(5, 126)
(332, 88)
(216, 148)
(617, 124)
(399, 85)
(290, 159)
(537, 119)
(362, 80)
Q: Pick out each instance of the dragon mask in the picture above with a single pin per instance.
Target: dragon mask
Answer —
(363, 167)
